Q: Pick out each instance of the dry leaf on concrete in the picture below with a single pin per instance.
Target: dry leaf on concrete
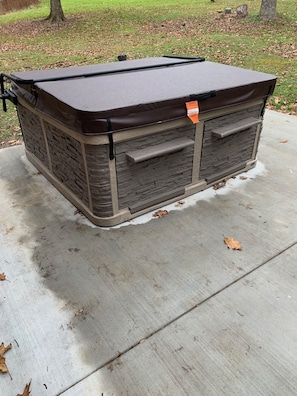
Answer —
(160, 213)
(220, 184)
(8, 230)
(3, 349)
(26, 390)
(2, 276)
(232, 244)
(283, 141)
(179, 204)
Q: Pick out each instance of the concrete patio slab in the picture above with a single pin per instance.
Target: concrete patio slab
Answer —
(101, 311)
(240, 342)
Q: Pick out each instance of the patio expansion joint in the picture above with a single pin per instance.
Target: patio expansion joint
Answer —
(158, 330)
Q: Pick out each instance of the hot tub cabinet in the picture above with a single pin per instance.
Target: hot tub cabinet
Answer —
(118, 140)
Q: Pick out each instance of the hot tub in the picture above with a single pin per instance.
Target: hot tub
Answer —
(124, 138)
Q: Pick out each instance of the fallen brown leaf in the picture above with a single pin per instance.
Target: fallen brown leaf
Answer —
(2, 276)
(179, 204)
(26, 390)
(220, 184)
(8, 230)
(160, 213)
(80, 312)
(283, 141)
(242, 177)
(232, 244)
(3, 349)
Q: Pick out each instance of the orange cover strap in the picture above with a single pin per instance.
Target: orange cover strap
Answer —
(193, 111)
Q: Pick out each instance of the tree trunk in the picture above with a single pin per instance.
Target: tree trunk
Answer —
(268, 9)
(56, 14)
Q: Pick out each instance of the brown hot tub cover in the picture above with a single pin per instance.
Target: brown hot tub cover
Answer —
(102, 98)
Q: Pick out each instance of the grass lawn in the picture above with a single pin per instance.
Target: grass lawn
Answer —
(99, 30)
